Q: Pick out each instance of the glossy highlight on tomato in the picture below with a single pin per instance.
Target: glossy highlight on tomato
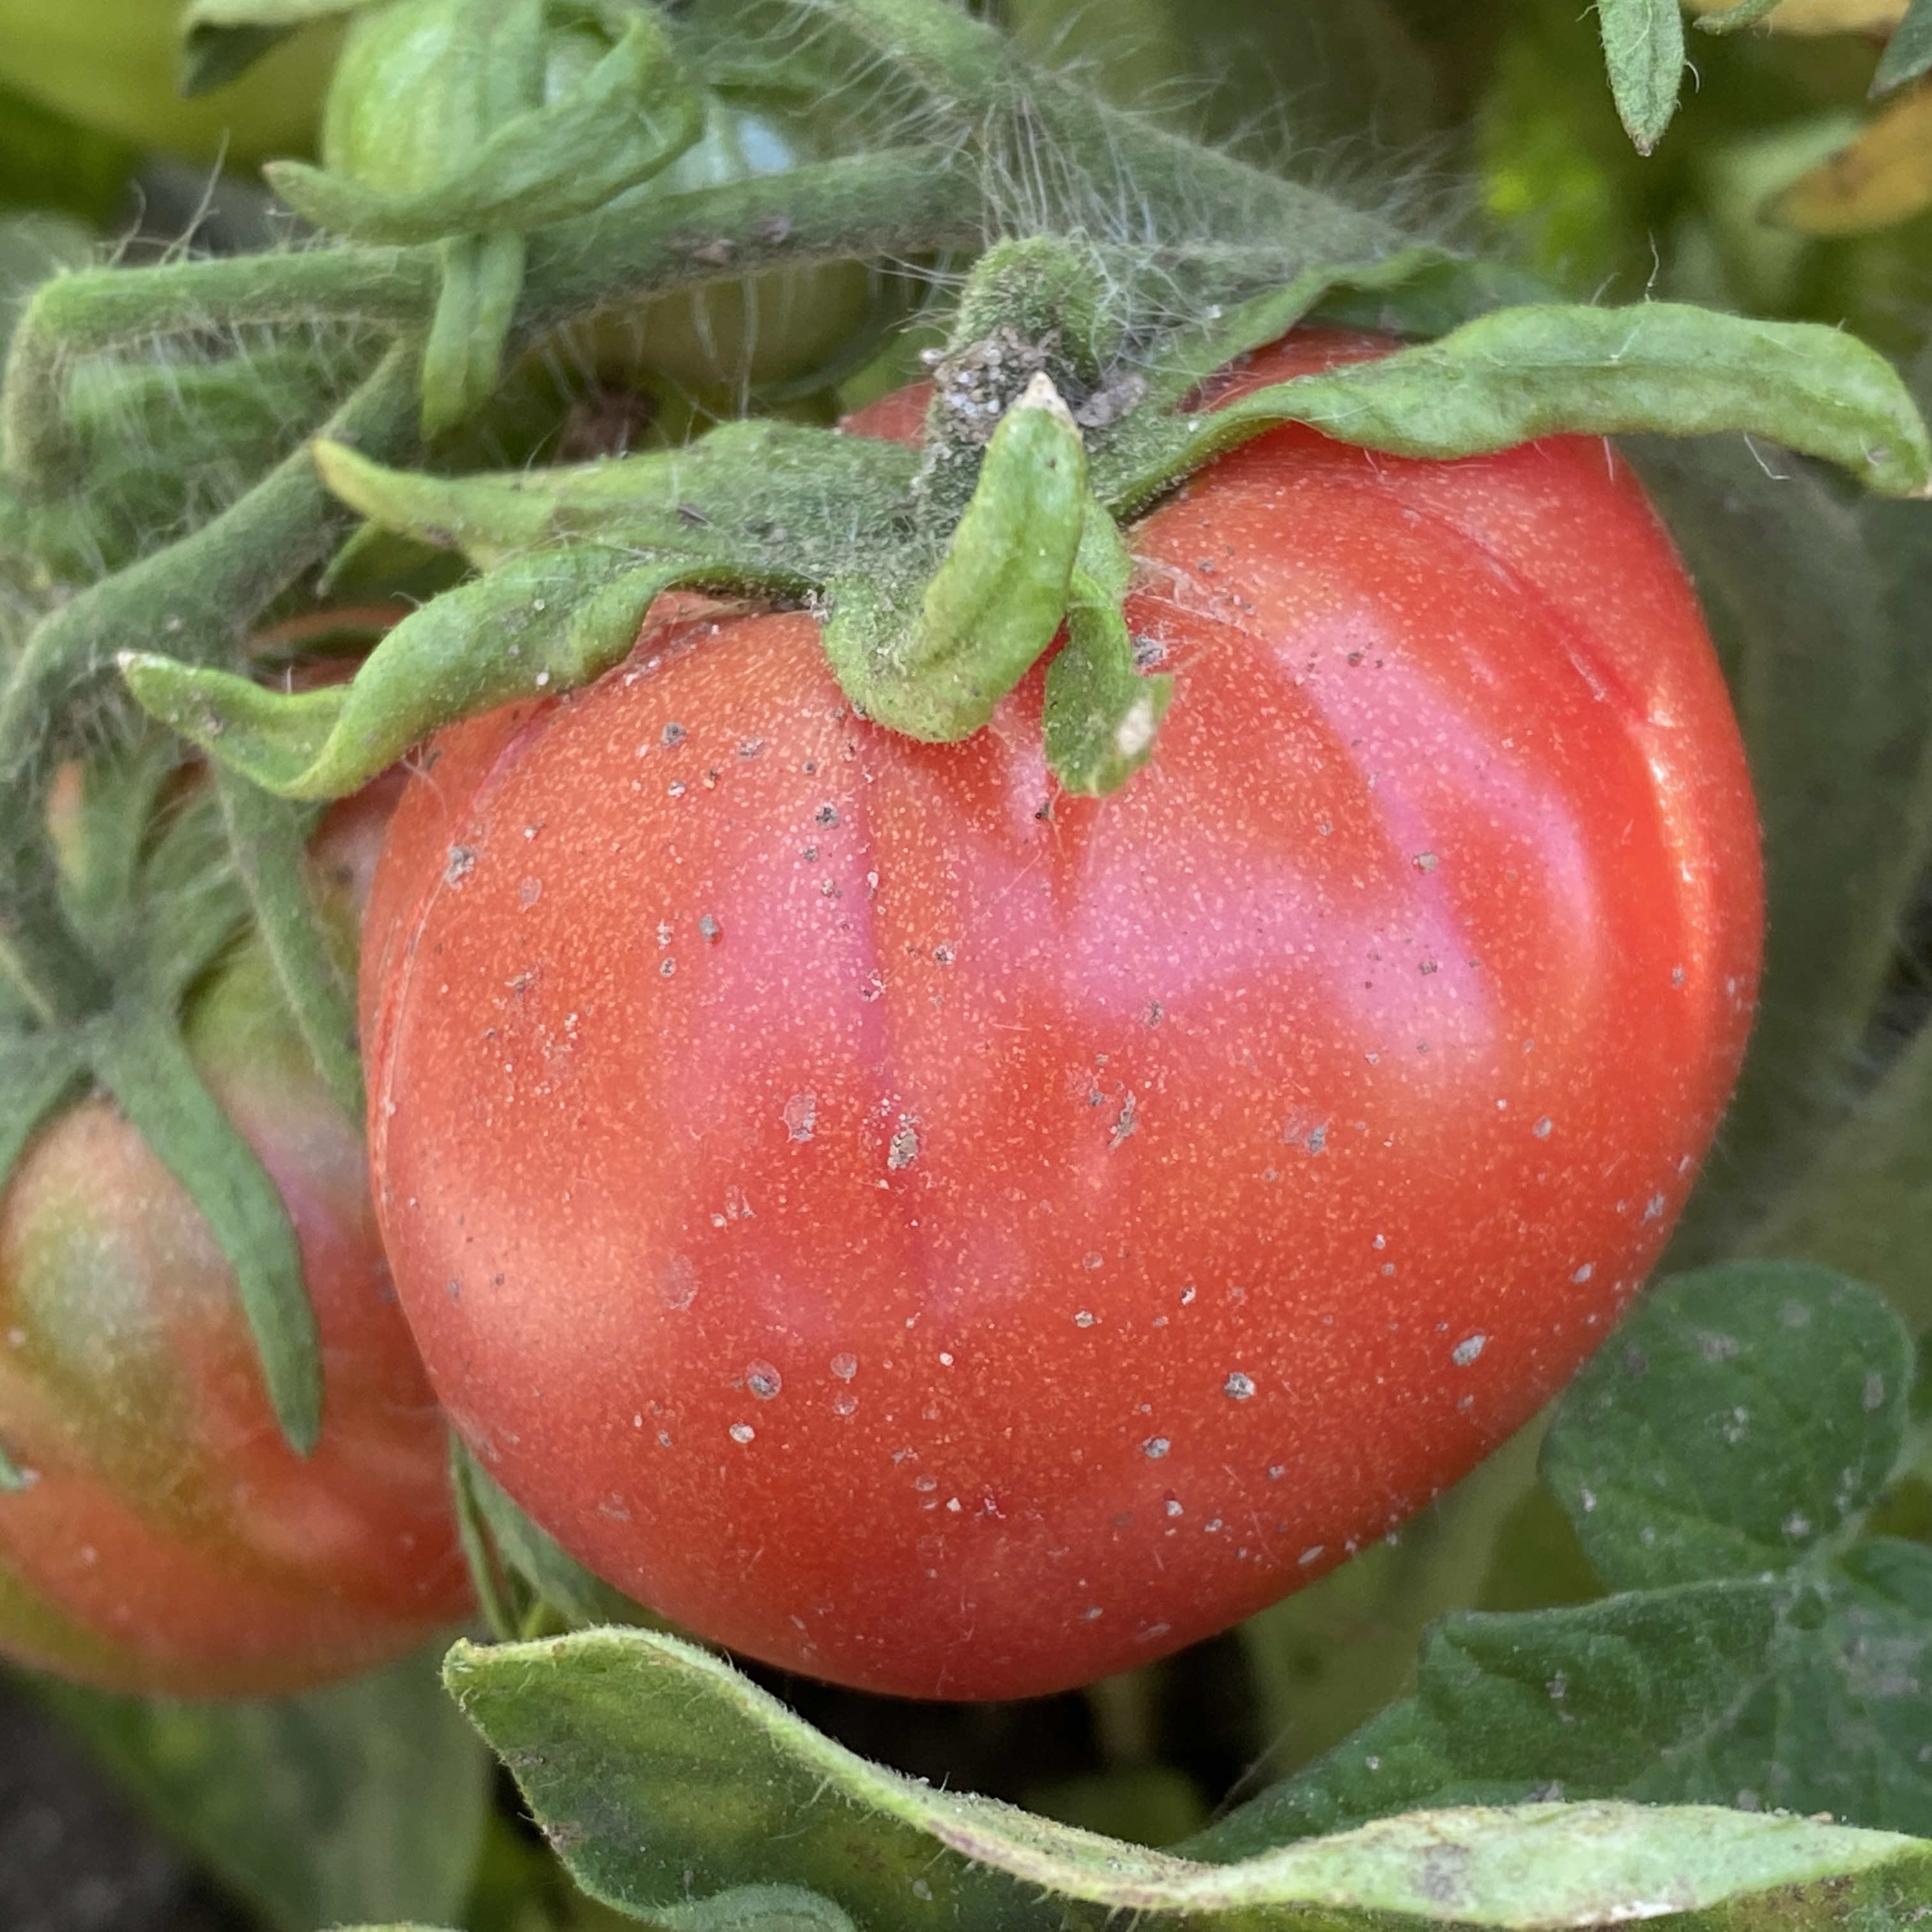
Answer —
(938, 1234)
(167, 1539)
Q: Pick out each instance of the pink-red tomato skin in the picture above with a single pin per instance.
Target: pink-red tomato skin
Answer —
(168, 1540)
(931, 1232)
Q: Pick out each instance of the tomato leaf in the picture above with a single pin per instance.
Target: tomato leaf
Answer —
(366, 1797)
(1801, 1677)
(1908, 52)
(608, 1729)
(1754, 1694)
(1714, 1437)
(1643, 49)
(1519, 373)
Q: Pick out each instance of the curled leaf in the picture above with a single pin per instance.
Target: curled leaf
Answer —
(1519, 373)
(541, 625)
(647, 1760)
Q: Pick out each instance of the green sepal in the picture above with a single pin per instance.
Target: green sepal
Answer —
(1643, 50)
(191, 904)
(625, 120)
(542, 625)
(139, 1058)
(489, 518)
(741, 490)
(268, 838)
(462, 360)
(13, 1477)
(1101, 712)
(1214, 341)
(995, 600)
(1519, 373)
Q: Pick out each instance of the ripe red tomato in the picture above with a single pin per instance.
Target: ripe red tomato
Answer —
(932, 1232)
(169, 1539)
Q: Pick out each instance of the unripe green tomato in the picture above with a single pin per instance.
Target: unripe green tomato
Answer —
(384, 126)
(740, 332)
(167, 1539)
(113, 65)
(393, 120)
(755, 331)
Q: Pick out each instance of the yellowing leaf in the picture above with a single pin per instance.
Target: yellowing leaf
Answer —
(1883, 177)
(1818, 16)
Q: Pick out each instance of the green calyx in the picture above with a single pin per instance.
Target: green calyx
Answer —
(942, 577)
(937, 670)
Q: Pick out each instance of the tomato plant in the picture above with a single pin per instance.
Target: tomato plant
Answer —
(939, 1233)
(166, 1537)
